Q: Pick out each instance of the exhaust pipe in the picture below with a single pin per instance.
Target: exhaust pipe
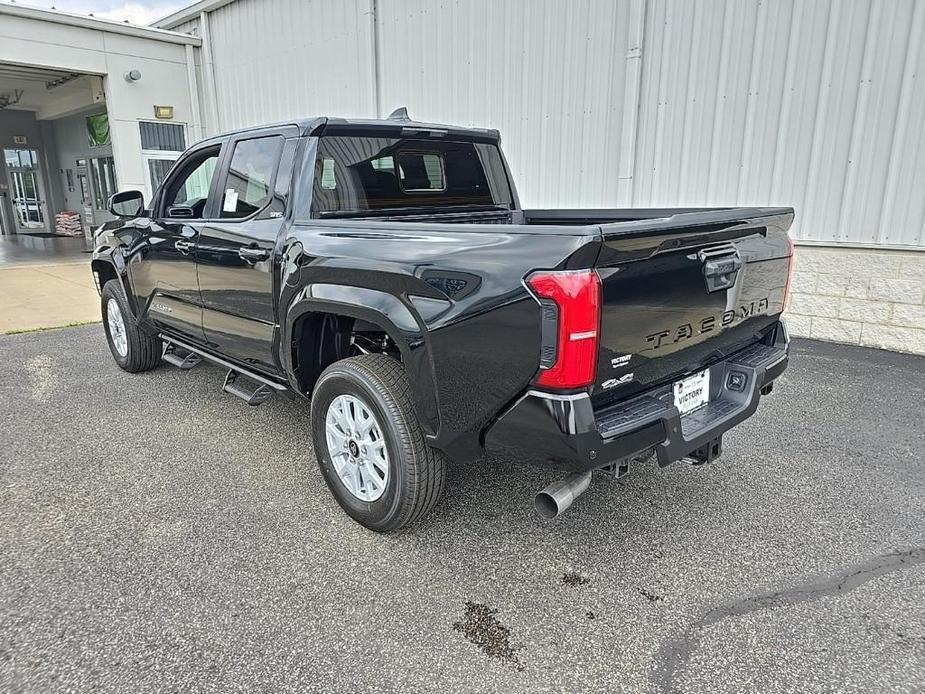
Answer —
(558, 496)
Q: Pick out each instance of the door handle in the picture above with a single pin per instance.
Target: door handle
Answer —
(183, 246)
(253, 255)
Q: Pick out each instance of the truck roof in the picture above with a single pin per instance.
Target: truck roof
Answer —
(397, 124)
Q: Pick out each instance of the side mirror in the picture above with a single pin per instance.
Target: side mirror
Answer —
(128, 203)
(180, 212)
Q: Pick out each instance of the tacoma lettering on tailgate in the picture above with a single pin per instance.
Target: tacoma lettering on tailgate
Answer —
(708, 324)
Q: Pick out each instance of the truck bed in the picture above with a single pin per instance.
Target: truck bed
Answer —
(659, 318)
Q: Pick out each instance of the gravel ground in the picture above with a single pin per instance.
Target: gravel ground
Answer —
(157, 535)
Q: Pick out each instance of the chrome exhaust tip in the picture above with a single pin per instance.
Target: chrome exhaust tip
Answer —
(558, 496)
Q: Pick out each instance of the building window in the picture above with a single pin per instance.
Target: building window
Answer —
(161, 146)
(162, 137)
(103, 171)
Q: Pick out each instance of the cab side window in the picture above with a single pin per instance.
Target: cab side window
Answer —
(187, 192)
(249, 185)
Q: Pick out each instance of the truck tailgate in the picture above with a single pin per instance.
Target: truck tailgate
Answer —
(681, 292)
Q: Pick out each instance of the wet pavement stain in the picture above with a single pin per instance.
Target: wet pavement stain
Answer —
(482, 628)
(887, 633)
(574, 579)
(649, 595)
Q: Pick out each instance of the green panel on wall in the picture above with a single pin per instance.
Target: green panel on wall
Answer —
(98, 130)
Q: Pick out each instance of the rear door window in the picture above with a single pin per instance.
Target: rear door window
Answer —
(248, 185)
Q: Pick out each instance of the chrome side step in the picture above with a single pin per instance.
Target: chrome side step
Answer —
(262, 390)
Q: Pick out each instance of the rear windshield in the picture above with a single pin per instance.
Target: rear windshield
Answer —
(367, 174)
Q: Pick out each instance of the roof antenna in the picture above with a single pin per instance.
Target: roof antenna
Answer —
(400, 114)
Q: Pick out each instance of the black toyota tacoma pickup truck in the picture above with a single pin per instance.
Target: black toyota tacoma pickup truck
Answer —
(386, 270)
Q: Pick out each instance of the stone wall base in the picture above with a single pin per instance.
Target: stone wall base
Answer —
(874, 298)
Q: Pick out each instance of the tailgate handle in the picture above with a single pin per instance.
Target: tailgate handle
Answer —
(720, 272)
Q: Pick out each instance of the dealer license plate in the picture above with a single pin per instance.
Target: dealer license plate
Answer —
(692, 392)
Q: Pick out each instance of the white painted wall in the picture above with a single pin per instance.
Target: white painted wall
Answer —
(163, 82)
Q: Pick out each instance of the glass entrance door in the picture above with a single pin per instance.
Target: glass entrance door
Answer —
(103, 180)
(27, 190)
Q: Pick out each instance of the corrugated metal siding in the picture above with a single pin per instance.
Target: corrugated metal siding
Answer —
(280, 59)
(816, 104)
(551, 80)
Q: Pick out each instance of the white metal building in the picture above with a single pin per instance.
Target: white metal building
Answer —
(818, 104)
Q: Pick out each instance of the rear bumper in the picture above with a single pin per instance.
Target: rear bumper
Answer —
(565, 432)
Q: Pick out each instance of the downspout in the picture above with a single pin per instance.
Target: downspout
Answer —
(214, 119)
(376, 49)
(631, 98)
(193, 83)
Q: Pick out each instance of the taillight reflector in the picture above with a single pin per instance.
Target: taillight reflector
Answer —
(577, 294)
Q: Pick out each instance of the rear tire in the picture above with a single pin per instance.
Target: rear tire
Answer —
(133, 349)
(355, 401)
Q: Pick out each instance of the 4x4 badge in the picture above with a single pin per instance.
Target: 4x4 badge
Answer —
(611, 382)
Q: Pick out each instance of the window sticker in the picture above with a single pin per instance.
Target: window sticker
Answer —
(328, 181)
(231, 200)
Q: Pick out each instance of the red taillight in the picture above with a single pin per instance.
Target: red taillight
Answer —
(577, 298)
(789, 272)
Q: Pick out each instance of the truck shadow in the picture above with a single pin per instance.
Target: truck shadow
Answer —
(489, 501)
(492, 500)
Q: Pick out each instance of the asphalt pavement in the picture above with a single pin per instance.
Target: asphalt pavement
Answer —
(157, 535)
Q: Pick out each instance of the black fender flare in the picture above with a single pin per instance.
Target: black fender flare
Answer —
(113, 257)
(389, 313)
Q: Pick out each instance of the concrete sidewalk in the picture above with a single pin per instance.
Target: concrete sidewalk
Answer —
(36, 296)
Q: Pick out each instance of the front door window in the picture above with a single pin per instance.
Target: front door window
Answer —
(158, 168)
(190, 186)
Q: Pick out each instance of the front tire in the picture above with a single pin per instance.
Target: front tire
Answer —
(370, 445)
(132, 349)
